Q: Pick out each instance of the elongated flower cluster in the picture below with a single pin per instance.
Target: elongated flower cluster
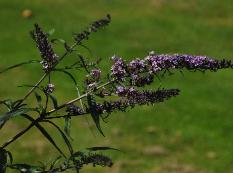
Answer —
(160, 62)
(93, 28)
(49, 58)
(74, 110)
(131, 97)
(141, 72)
(92, 158)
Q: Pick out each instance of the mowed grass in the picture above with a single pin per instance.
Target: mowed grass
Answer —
(192, 133)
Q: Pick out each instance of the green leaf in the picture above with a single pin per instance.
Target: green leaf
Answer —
(67, 125)
(39, 100)
(83, 63)
(3, 160)
(101, 148)
(8, 103)
(54, 162)
(51, 32)
(18, 65)
(54, 100)
(67, 73)
(58, 40)
(6, 116)
(45, 133)
(10, 156)
(63, 136)
(95, 116)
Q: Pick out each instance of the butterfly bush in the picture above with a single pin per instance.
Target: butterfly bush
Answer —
(120, 87)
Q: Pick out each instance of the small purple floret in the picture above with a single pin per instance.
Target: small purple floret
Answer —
(95, 73)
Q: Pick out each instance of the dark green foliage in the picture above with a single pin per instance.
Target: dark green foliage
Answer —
(3, 160)
(94, 114)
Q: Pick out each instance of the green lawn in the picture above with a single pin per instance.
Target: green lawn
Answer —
(192, 133)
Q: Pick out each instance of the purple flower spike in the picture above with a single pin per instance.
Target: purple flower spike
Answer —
(190, 62)
(141, 72)
(49, 58)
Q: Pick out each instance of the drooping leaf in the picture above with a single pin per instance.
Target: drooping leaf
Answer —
(101, 148)
(54, 162)
(95, 116)
(18, 65)
(39, 100)
(10, 156)
(54, 101)
(68, 74)
(84, 64)
(67, 125)
(63, 136)
(3, 160)
(45, 133)
(6, 116)
(8, 103)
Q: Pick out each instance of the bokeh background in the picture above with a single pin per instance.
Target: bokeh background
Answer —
(192, 133)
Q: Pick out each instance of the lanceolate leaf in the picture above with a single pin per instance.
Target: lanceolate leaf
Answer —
(18, 65)
(8, 103)
(67, 125)
(54, 100)
(45, 133)
(83, 63)
(39, 100)
(67, 73)
(95, 116)
(6, 116)
(101, 148)
(63, 136)
(54, 162)
(10, 156)
(3, 160)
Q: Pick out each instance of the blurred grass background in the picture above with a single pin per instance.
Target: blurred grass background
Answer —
(192, 133)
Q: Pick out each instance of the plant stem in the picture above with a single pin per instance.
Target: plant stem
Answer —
(20, 134)
(63, 116)
(78, 98)
(52, 111)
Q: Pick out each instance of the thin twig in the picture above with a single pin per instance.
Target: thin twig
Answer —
(78, 98)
